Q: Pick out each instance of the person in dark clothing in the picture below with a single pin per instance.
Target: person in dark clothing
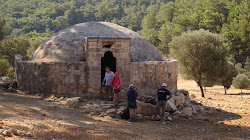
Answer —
(131, 96)
(162, 95)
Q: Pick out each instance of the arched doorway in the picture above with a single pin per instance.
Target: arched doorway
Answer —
(107, 60)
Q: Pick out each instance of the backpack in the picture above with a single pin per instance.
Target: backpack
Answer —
(125, 115)
(152, 101)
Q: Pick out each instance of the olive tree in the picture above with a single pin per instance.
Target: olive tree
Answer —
(228, 74)
(241, 81)
(201, 56)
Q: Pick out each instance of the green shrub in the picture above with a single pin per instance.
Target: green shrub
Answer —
(4, 67)
(241, 81)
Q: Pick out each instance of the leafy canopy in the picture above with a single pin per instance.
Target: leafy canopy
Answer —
(200, 55)
(241, 81)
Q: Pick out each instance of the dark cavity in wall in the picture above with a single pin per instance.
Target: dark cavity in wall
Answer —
(108, 60)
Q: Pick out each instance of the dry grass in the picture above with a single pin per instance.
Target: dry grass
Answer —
(46, 60)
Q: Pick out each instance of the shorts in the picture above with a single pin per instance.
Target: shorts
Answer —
(108, 89)
(161, 103)
(116, 91)
(132, 105)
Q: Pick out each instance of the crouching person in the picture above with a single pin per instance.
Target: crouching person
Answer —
(131, 96)
(162, 94)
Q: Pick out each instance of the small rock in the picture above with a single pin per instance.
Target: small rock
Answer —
(119, 112)
(107, 117)
(7, 133)
(28, 134)
(139, 117)
(73, 102)
(146, 117)
(169, 118)
(156, 118)
(51, 106)
(92, 113)
(14, 131)
(167, 114)
(210, 98)
(61, 99)
(43, 115)
(10, 90)
(194, 102)
(111, 111)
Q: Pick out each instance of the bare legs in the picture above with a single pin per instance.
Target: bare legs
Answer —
(132, 113)
(157, 112)
(116, 98)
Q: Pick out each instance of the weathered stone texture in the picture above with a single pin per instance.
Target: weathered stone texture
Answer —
(68, 44)
(61, 78)
(148, 76)
(94, 56)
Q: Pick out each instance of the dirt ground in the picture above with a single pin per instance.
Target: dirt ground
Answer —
(29, 113)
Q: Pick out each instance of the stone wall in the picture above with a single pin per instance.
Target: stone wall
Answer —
(95, 51)
(59, 78)
(147, 77)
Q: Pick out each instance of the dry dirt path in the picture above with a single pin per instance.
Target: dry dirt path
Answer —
(46, 122)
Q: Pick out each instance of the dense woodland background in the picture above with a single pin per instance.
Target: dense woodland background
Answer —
(29, 22)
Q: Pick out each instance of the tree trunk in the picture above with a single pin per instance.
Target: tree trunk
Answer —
(225, 90)
(241, 93)
(201, 88)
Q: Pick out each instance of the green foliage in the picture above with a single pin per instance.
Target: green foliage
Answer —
(225, 17)
(35, 39)
(4, 67)
(26, 16)
(241, 82)
(237, 29)
(229, 73)
(11, 46)
(2, 23)
(150, 25)
(201, 56)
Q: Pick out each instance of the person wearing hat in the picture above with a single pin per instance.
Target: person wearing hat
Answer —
(162, 95)
(115, 82)
(131, 96)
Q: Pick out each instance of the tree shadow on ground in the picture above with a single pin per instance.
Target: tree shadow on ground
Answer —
(243, 93)
(67, 123)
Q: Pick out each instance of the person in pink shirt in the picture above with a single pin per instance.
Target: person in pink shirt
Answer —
(115, 82)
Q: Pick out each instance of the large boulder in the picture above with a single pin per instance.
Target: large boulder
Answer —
(179, 98)
(145, 109)
(188, 111)
(186, 94)
(171, 105)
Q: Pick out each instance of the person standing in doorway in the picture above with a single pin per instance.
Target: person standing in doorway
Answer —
(163, 95)
(131, 96)
(115, 82)
(108, 76)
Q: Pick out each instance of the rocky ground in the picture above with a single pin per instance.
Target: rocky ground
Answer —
(217, 116)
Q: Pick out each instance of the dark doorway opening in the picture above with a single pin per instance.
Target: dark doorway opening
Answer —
(108, 60)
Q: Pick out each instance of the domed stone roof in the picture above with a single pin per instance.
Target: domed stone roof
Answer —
(68, 44)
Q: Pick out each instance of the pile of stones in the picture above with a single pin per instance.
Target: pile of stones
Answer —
(11, 132)
(179, 105)
(8, 84)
